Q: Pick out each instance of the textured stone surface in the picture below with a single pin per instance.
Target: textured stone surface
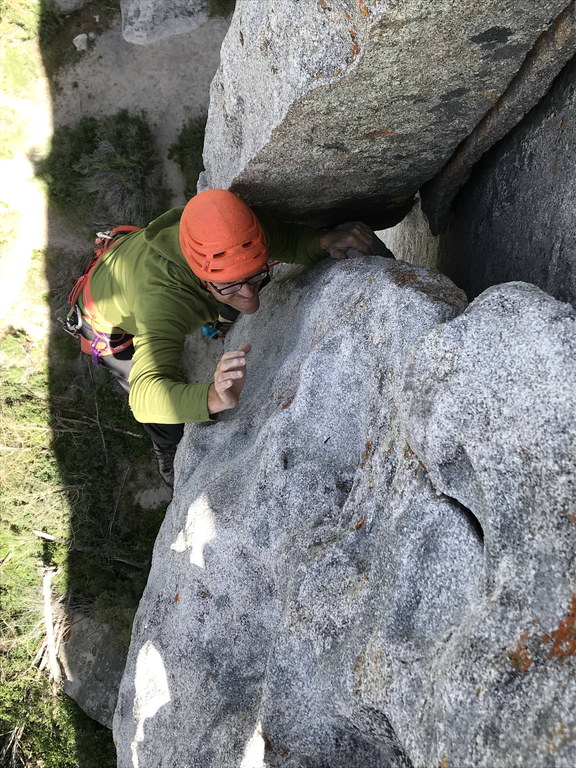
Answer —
(92, 667)
(349, 107)
(553, 50)
(516, 217)
(146, 21)
(489, 407)
(368, 563)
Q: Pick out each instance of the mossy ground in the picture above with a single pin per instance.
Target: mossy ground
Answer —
(72, 458)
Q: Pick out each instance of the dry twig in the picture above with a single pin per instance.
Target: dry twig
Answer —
(53, 666)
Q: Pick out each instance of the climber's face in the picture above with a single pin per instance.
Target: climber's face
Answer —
(242, 295)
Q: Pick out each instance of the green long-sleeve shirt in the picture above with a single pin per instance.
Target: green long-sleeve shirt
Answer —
(145, 287)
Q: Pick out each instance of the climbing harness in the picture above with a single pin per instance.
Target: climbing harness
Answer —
(104, 342)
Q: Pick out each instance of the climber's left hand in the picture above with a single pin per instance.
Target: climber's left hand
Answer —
(357, 235)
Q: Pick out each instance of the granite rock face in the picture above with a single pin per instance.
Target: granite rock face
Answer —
(146, 21)
(349, 107)
(515, 219)
(368, 562)
(545, 61)
(489, 404)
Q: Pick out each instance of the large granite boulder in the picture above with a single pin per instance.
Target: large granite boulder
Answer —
(369, 562)
(349, 107)
(147, 21)
(92, 665)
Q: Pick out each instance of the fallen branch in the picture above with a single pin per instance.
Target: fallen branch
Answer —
(97, 420)
(64, 423)
(91, 550)
(53, 666)
(26, 429)
(11, 754)
(117, 502)
(114, 429)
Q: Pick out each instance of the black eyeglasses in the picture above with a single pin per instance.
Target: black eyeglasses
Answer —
(235, 287)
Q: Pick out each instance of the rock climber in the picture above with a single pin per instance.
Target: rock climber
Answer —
(204, 263)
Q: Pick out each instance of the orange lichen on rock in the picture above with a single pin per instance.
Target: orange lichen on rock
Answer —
(362, 8)
(367, 453)
(520, 659)
(355, 46)
(381, 132)
(563, 638)
(288, 403)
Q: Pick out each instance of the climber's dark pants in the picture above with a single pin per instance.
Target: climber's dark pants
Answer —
(164, 436)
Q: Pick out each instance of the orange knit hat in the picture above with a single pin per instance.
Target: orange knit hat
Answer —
(221, 238)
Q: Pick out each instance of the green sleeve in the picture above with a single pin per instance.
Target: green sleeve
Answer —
(158, 393)
(290, 243)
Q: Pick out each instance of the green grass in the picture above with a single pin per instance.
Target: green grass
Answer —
(9, 219)
(186, 152)
(19, 70)
(72, 458)
(23, 15)
(11, 132)
(71, 462)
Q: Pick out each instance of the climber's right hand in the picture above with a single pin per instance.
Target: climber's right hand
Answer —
(229, 379)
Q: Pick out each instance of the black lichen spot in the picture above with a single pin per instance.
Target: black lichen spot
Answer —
(448, 109)
(493, 35)
(336, 145)
(508, 51)
(455, 94)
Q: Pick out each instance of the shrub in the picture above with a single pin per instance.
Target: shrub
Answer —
(186, 152)
(221, 7)
(103, 172)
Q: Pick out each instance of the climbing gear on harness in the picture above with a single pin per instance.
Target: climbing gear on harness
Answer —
(216, 330)
(221, 238)
(104, 342)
